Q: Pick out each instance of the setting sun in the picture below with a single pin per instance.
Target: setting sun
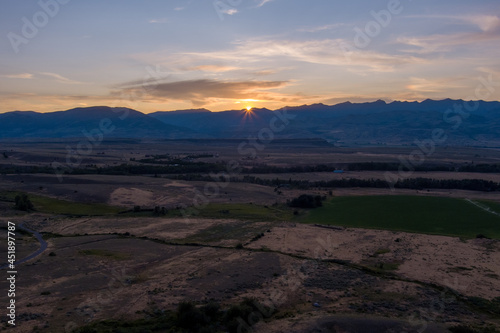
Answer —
(249, 108)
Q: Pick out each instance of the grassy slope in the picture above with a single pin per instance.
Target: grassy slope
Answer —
(48, 205)
(431, 215)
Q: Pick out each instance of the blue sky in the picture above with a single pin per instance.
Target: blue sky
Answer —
(229, 54)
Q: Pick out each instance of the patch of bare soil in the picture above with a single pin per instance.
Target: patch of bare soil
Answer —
(469, 267)
(130, 197)
(160, 228)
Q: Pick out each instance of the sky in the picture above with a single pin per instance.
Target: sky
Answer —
(162, 55)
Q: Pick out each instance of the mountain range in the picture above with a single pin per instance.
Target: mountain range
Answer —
(374, 123)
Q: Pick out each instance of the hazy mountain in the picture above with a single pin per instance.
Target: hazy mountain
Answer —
(116, 122)
(358, 123)
(347, 123)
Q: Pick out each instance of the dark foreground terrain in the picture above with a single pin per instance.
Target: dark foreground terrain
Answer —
(194, 236)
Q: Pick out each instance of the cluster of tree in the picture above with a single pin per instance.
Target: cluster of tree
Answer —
(188, 317)
(410, 183)
(306, 201)
(373, 166)
(160, 211)
(17, 169)
(483, 168)
(163, 161)
(456, 184)
(381, 166)
(157, 211)
(200, 156)
(266, 169)
(164, 164)
(22, 202)
(386, 166)
(127, 169)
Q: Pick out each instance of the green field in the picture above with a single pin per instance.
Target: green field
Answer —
(48, 205)
(429, 215)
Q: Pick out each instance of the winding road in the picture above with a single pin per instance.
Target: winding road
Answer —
(43, 246)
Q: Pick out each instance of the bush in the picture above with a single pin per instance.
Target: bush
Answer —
(461, 329)
(23, 203)
(190, 317)
(307, 201)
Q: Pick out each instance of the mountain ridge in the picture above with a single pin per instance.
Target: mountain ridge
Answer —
(347, 123)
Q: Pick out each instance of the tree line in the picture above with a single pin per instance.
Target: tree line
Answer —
(410, 183)
(155, 166)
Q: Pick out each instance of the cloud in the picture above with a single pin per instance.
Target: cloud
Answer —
(156, 21)
(484, 22)
(266, 72)
(263, 2)
(432, 85)
(489, 26)
(335, 52)
(229, 11)
(200, 91)
(321, 28)
(213, 68)
(60, 78)
(444, 43)
(19, 76)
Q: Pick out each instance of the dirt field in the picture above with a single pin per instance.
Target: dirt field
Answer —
(92, 277)
(470, 267)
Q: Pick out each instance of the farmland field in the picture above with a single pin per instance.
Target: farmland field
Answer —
(429, 215)
(130, 245)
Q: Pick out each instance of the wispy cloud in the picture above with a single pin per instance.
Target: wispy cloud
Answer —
(266, 72)
(484, 22)
(325, 52)
(213, 68)
(445, 43)
(230, 11)
(19, 76)
(489, 30)
(263, 2)
(321, 28)
(60, 78)
(158, 21)
(432, 85)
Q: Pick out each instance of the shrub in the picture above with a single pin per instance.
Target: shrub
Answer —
(23, 203)
(307, 201)
(190, 317)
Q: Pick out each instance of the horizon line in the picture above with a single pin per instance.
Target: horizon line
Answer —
(260, 108)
